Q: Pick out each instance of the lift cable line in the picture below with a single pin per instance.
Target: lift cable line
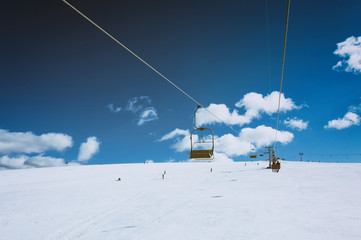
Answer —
(330, 155)
(333, 154)
(283, 65)
(268, 49)
(148, 65)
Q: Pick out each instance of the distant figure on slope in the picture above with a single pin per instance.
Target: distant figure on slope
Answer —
(163, 176)
(165, 172)
(119, 179)
(211, 170)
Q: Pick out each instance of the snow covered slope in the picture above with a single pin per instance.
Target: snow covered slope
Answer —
(234, 201)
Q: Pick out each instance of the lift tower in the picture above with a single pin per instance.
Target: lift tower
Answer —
(270, 155)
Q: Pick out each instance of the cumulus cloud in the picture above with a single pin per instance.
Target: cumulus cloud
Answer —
(182, 139)
(17, 148)
(350, 51)
(27, 142)
(263, 135)
(142, 108)
(24, 161)
(295, 123)
(230, 145)
(13, 162)
(88, 149)
(221, 110)
(114, 109)
(44, 161)
(254, 105)
(222, 158)
(347, 121)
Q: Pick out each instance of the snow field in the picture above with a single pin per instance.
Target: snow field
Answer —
(302, 201)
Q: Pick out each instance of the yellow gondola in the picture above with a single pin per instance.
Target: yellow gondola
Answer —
(202, 148)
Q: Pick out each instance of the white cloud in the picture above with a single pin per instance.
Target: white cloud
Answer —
(149, 114)
(221, 158)
(88, 149)
(350, 51)
(114, 109)
(222, 111)
(44, 161)
(296, 123)
(231, 145)
(142, 108)
(263, 135)
(13, 162)
(254, 104)
(137, 103)
(27, 142)
(182, 139)
(347, 121)
(353, 108)
(176, 132)
(170, 160)
(24, 161)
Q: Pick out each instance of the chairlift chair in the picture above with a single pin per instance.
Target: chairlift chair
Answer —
(253, 154)
(202, 153)
(276, 165)
(203, 148)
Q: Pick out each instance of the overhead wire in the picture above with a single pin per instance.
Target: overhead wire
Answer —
(148, 65)
(268, 49)
(283, 65)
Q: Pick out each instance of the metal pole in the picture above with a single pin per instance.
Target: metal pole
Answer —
(269, 156)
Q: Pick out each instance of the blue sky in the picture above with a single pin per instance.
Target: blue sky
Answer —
(59, 74)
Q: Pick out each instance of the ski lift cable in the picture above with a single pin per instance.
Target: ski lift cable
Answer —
(283, 64)
(148, 65)
(268, 49)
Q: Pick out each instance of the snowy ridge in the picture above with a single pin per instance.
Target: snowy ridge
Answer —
(234, 201)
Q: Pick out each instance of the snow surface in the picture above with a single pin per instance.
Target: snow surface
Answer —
(234, 201)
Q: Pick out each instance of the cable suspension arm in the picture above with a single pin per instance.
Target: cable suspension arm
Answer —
(148, 65)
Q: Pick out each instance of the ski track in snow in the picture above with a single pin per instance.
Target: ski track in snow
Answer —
(78, 229)
(303, 201)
